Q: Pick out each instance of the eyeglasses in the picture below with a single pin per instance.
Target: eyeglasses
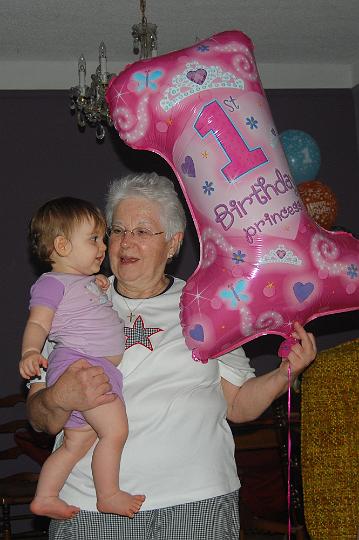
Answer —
(140, 234)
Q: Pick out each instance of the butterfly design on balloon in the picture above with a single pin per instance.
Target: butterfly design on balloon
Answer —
(234, 294)
(147, 79)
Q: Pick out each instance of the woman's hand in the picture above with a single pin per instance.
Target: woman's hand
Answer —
(249, 401)
(301, 355)
(81, 387)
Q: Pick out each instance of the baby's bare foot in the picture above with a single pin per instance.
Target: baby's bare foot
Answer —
(121, 503)
(53, 507)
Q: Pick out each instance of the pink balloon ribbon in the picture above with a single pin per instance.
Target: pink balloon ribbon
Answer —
(283, 352)
(289, 450)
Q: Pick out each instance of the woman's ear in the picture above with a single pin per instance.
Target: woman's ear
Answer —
(175, 244)
(62, 246)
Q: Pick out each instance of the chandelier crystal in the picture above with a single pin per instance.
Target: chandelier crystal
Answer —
(144, 35)
(88, 103)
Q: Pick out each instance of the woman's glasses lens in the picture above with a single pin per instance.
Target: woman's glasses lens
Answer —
(139, 233)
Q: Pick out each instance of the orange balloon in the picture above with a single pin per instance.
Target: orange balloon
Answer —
(320, 202)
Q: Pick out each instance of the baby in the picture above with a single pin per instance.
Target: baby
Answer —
(68, 307)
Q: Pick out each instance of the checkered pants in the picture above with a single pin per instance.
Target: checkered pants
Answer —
(210, 519)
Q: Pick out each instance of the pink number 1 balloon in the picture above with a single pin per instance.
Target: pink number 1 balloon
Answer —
(264, 262)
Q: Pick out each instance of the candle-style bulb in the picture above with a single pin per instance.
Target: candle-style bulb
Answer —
(82, 74)
(102, 50)
(103, 61)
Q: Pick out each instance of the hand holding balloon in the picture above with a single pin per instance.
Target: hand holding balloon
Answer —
(299, 354)
(264, 262)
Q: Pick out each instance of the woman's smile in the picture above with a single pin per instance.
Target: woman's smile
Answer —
(128, 260)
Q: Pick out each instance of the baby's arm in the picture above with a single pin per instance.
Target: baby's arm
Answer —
(36, 331)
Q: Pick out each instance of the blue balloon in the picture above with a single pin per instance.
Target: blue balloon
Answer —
(302, 153)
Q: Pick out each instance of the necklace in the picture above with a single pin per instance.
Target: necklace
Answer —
(132, 311)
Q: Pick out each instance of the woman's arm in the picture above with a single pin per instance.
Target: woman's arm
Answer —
(42, 411)
(249, 401)
(81, 387)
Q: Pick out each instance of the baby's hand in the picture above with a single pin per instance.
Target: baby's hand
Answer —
(30, 363)
(102, 282)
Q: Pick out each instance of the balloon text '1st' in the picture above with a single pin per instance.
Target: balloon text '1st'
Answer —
(241, 159)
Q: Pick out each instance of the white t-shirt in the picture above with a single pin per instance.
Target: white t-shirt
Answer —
(180, 448)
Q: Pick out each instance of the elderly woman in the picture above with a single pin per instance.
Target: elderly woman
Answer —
(180, 451)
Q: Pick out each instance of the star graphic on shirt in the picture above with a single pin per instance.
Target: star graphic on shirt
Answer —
(139, 334)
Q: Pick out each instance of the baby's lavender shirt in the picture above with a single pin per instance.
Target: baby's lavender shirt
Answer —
(84, 319)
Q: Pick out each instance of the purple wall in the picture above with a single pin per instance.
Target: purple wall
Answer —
(43, 155)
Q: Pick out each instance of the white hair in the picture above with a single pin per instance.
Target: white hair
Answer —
(155, 188)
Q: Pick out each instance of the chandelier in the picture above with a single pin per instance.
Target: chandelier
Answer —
(88, 103)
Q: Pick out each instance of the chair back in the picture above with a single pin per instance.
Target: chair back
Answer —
(329, 435)
(18, 488)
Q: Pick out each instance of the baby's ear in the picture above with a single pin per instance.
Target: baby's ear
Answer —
(62, 246)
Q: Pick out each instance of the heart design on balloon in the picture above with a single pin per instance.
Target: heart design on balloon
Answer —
(198, 76)
(302, 290)
(281, 253)
(197, 333)
(188, 168)
(264, 262)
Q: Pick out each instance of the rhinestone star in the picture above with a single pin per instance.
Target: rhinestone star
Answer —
(139, 334)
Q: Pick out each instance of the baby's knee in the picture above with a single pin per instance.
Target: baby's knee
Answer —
(116, 436)
(78, 441)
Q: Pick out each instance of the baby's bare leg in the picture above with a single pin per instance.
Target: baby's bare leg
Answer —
(56, 469)
(110, 423)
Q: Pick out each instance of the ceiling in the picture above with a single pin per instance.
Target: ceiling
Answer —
(307, 43)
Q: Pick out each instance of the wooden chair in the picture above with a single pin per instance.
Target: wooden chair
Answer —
(261, 455)
(19, 488)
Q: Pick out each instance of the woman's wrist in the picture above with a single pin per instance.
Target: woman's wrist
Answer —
(282, 377)
(43, 412)
(53, 401)
(55, 414)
